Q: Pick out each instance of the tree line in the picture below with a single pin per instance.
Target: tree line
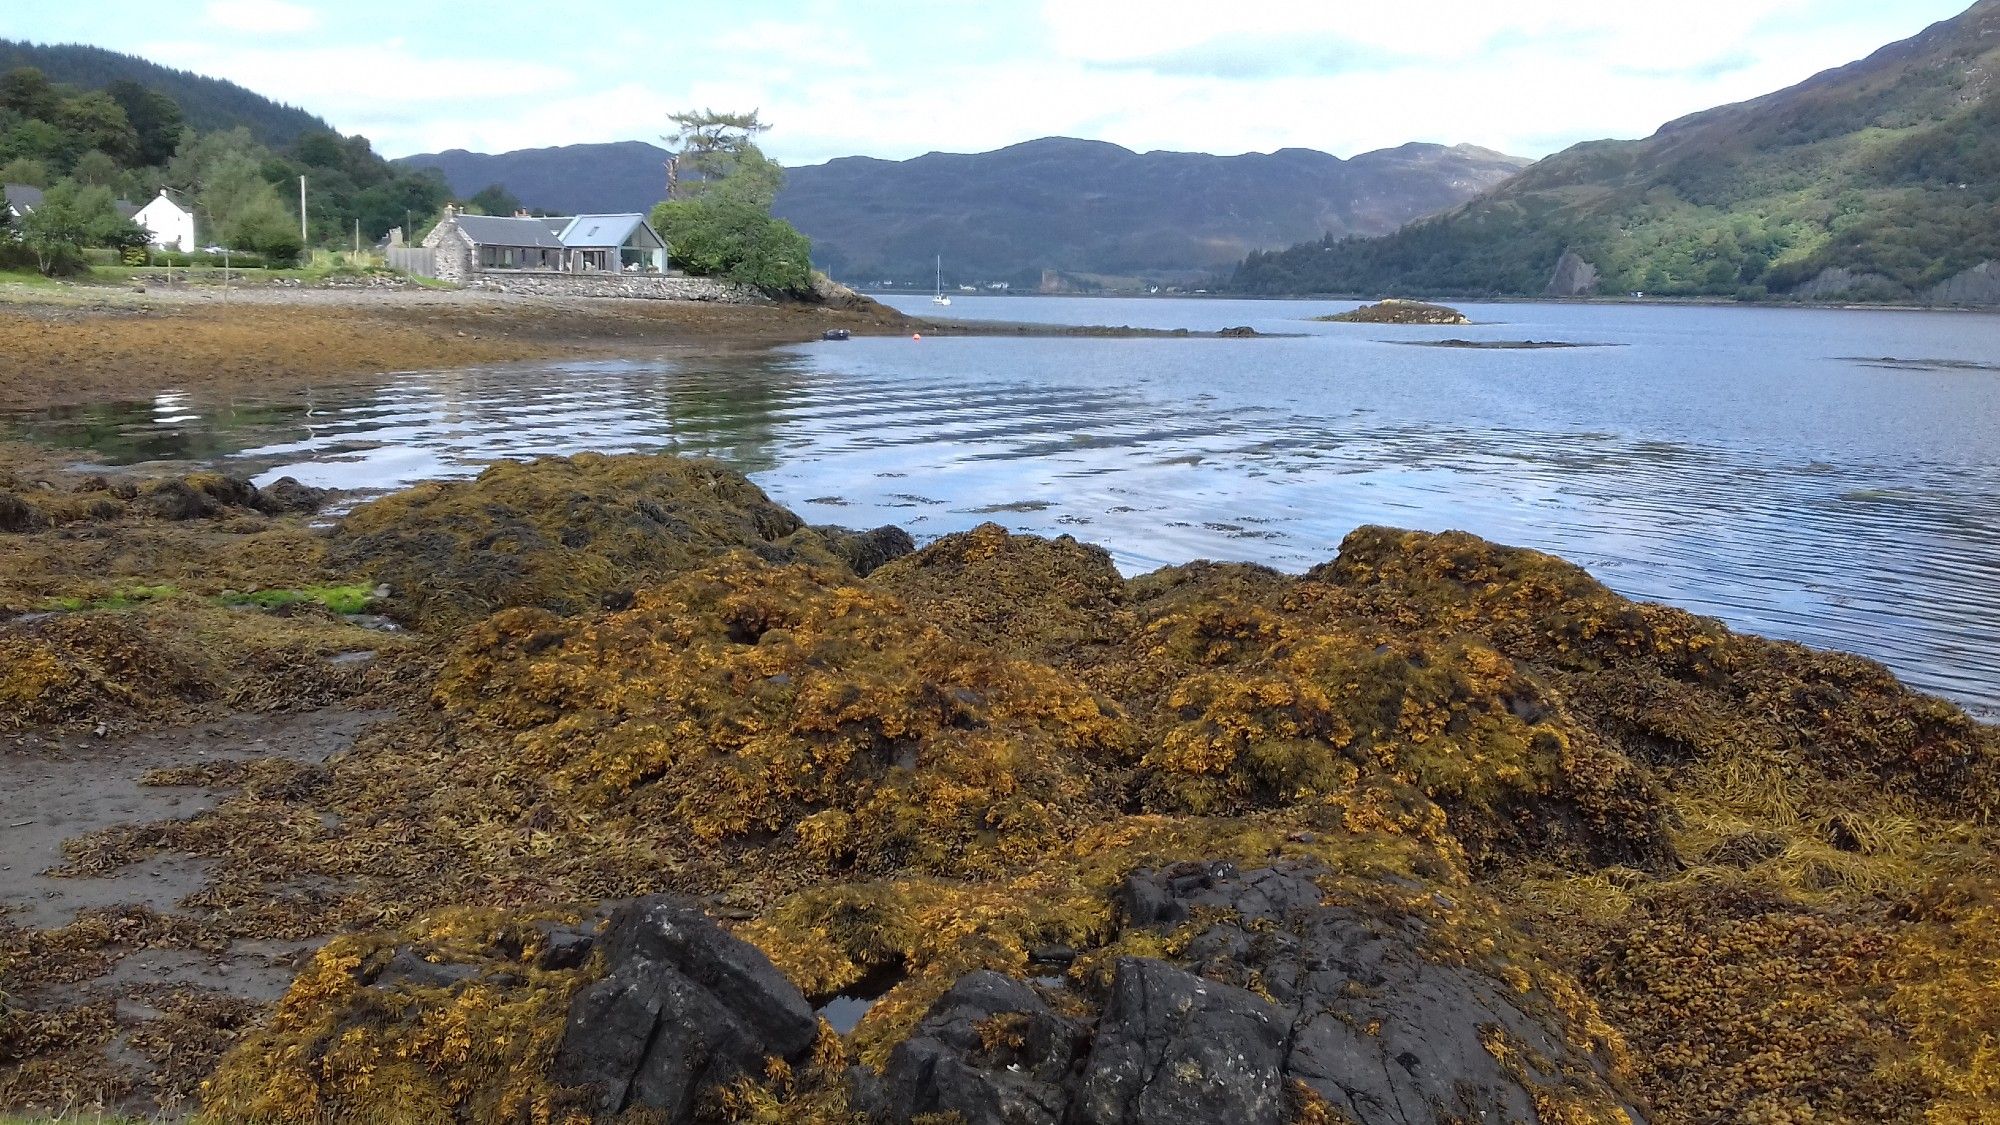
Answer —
(89, 148)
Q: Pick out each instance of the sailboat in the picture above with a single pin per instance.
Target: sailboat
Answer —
(937, 296)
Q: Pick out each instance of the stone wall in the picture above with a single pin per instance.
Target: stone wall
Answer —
(453, 252)
(648, 287)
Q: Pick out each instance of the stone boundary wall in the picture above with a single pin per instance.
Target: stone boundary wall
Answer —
(646, 287)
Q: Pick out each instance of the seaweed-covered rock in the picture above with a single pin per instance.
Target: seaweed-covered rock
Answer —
(1373, 1023)
(683, 1009)
(286, 496)
(1398, 311)
(1273, 1004)
(565, 534)
(1051, 599)
(990, 1050)
(196, 496)
(857, 734)
(865, 552)
(172, 660)
(15, 514)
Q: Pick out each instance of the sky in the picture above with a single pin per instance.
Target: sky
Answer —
(898, 78)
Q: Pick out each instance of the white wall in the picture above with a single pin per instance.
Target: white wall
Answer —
(171, 226)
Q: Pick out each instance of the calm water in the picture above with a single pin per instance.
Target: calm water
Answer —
(1763, 466)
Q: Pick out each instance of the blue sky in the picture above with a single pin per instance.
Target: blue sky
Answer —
(896, 78)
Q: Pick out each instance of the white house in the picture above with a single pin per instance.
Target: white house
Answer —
(170, 224)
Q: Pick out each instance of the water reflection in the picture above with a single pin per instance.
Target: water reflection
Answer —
(1737, 471)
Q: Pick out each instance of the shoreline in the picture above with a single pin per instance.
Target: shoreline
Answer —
(81, 344)
(1691, 302)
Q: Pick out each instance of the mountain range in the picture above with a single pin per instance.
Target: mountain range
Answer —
(1084, 210)
(1879, 180)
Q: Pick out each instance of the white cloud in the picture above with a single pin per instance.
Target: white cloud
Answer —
(261, 17)
(843, 78)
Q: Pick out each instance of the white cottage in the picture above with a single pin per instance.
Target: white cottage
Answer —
(170, 224)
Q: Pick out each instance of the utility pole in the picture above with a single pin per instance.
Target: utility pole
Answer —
(302, 212)
(357, 238)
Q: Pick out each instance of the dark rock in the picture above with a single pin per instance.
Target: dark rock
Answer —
(407, 968)
(286, 495)
(1239, 332)
(865, 551)
(1377, 1029)
(174, 500)
(990, 1050)
(1347, 1008)
(1174, 1049)
(15, 514)
(564, 947)
(684, 1008)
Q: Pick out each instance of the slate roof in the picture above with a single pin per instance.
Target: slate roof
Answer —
(501, 230)
(600, 231)
(23, 198)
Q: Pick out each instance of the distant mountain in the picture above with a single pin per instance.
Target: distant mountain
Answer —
(1878, 180)
(1082, 208)
(574, 179)
(207, 104)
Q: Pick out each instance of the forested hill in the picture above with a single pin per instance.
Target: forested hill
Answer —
(1085, 209)
(207, 104)
(1878, 180)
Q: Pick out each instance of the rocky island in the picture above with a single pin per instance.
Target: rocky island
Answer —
(1396, 311)
(654, 782)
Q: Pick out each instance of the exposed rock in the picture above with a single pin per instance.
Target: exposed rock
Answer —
(1351, 1016)
(990, 1050)
(196, 496)
(1370, 1024)
(866, 551)
(1241, 331)
(1977, 287)
(1837, 283)
(1573, 277)
(286, 495)
(682, 1009)
(1174, 1049)
(15, 514)
(1398, 311)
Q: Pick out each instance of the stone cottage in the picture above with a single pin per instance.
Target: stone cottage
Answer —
(472, 248)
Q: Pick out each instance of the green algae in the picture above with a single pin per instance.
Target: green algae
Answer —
(344, 600)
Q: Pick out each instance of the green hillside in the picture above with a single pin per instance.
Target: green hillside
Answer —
(207, 104)
(1878, 180)
(72, 149)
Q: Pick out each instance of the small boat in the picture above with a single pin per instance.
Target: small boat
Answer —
(836, 334)
(937, 295)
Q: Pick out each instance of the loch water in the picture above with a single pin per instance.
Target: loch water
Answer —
(1826, 476)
